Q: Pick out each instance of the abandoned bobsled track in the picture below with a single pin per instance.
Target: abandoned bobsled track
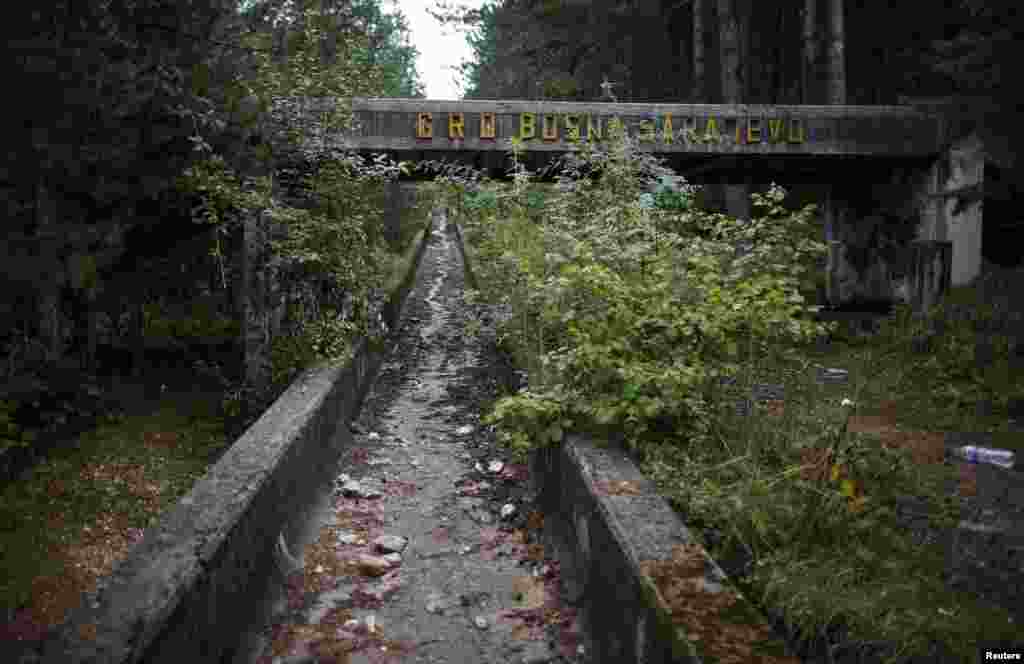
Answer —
(369, 516)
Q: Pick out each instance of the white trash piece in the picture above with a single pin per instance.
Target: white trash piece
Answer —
(989, 455)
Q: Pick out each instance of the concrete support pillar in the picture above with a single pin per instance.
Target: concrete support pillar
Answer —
(929, 276)
(960, 169)
(967, 169)
(737, 200)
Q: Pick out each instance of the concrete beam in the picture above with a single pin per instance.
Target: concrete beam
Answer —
(424, 125)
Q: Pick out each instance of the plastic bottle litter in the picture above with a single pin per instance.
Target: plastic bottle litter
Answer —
(989, 455)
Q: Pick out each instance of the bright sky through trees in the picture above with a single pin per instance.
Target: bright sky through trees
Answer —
(441, 49)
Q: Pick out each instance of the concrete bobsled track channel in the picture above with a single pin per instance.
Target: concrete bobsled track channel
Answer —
(410, 556)
(369, 516)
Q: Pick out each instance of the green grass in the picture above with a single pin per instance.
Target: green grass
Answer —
(820, 564)
(57, 506)
(824, 559)
(36, 516)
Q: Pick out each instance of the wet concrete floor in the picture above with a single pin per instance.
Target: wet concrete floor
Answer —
(425, 549)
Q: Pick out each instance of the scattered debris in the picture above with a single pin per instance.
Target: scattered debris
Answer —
(354, 489)
(373, 565)
(346, 537)
(390, 543)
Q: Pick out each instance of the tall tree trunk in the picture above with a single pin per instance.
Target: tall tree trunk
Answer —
(91, 331)
(777, 78)
(49, 288)
(729, 44)
(810, 64)
(138, 332)
(836, 54)
(328, 39)
(737, 199)
(699, 93)
(835, 93)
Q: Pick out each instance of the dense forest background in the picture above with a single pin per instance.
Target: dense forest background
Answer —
(954, 54)
(116, 100)
(143, 134)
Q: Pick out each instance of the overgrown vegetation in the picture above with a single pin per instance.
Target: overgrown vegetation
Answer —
(71, 519)
(67, 521)
(641, 318)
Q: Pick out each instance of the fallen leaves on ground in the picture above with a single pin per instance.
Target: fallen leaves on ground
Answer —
(529, 592)
(323, 555)
(93, 552)
(773, 407)
(535, 521)
(924, 446)
(816, 463)
(129, 475)
(699, 610)
(617, 488)
(158, 439)
(967, 473)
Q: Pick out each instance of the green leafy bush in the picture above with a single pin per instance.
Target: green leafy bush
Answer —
(630, 323)
(627, 313)
(198, 321)
(327, 337)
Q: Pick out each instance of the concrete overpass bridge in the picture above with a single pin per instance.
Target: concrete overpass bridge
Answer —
(916, 150)
(706, 142)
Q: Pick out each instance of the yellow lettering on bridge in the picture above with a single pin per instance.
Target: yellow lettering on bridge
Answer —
(424, 125)
(549, 127)
(487, 126)
(692, 130)
(666, 129)
(527, 126)
(711, 134)
(753, 130)
(456, 126)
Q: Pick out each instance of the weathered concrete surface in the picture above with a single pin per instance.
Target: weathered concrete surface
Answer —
(423, 552)
(746, 143)
(192, 586)
(392, 124)
(960, 169)
(649, 591)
